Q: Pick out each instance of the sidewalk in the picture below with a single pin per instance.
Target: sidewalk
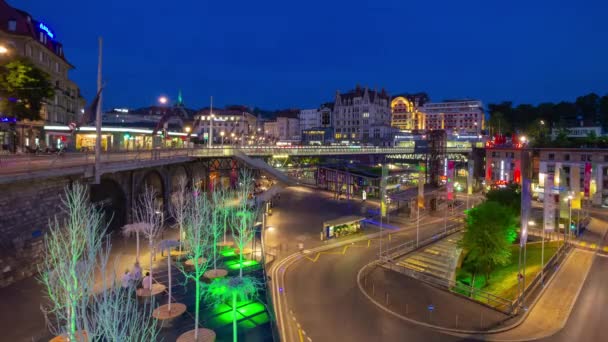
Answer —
(25, 321)
(553, 308)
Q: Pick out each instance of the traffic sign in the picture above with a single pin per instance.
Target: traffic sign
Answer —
(431, 307)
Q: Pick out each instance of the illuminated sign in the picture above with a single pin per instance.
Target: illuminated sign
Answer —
(121, 110)
(47, 30)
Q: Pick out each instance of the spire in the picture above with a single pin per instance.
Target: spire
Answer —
(180, 101)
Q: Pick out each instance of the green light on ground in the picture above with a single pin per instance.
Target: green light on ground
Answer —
(228, 252)
(251, 309)
(245, 263)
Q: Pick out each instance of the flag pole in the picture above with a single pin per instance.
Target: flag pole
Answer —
(98, 119)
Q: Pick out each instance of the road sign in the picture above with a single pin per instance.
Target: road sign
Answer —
(431, 307)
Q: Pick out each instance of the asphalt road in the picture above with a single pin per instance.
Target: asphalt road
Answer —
(323, 295)
(587, 321)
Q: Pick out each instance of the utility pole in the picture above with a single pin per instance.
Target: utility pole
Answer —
(98, 119)
(210, 136)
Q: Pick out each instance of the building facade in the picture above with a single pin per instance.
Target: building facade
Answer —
(362, 115)
(455, 116)
(21, 35)
(309, 118)
(406, 111)
(227, 125)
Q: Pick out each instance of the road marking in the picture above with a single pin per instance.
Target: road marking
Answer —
(343, 252)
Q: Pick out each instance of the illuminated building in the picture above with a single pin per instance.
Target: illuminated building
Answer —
(309, 118)
(362, 115)
(455, 116)
(24, 36)
(406, 113)
(235, 120)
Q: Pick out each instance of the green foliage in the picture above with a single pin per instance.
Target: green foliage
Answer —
(488, 238)
(23, 88)
(498, 123)
(509, 197)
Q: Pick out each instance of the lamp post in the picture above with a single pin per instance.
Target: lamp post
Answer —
(222, 135)
(232, 140)
(567, 227)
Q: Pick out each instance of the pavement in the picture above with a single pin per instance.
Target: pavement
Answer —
(439, 259)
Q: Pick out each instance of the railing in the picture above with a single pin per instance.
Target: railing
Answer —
(496, 302)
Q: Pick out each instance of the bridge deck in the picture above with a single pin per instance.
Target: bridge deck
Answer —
(18, 167)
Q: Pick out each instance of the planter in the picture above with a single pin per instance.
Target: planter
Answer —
(155, 291)
(190, 262)
(167, 317)
(204, 335)
(217, 273)
(80, 337)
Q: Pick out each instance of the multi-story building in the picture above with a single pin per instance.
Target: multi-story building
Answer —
(230, 124)
(362, 115)
(406, 113)
(566, 165)
(21, 35)
(309, 118)
(325, 115)
(283, 129)
(455, 116)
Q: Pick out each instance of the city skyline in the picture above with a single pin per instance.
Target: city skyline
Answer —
(475, 52)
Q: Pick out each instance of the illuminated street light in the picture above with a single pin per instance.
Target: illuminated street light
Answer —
(3, 50)
(187, 129)
(163, 100)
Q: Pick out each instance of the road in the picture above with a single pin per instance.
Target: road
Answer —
(323, 296)
(587, 321)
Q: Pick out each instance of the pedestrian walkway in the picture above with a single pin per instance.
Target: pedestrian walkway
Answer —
(438, 259)
(552, 310)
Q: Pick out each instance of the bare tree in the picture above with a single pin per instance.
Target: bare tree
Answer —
(244, 215)
(135, 229)
(148, 211)
(197, 235)
(72, 247)
(167, 245)
(179, 205)
(114, 312)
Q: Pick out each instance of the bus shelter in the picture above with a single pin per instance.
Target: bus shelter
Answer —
(342, 226)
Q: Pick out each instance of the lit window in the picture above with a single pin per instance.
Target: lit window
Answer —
(12, 25)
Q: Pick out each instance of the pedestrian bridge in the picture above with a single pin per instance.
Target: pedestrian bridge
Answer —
(15, 167)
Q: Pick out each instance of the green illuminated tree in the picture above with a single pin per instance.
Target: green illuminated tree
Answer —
(233, 289)
(490, 231)
(23, 88)
(197, 236)
(72, 247)
(244, 216)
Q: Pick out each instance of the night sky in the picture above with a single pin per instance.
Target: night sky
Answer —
(277, 54)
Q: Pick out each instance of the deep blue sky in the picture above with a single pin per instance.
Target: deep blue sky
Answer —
(283, 53)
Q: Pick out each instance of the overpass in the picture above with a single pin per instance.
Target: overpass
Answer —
(22, 167)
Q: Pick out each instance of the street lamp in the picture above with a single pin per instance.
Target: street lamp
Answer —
(3, 50)
(222, 135)
(569, 199)
(163, 100)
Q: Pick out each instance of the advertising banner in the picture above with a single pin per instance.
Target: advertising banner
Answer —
(470, 177)
(421, 180)
(383, 189)
(575, 186)
(449, 185)
(526, 202)
(549, 205)
(587, 180)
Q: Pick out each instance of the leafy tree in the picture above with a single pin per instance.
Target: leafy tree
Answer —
(603, 110)
(587, 106)
(509, 197)
(490, 231)
(23, 88)
(498, 123)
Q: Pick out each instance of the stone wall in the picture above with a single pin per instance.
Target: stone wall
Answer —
(25, 210)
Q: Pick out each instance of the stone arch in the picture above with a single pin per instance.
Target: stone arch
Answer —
(110, 198)
(155, 180)
(176, 173)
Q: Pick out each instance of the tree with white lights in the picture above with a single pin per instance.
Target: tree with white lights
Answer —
(149, 212)
(179, 205)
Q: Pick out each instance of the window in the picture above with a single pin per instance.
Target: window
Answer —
(12, 25)
(606, 158)
(28, 51)
(566, 157)
(551, 156)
